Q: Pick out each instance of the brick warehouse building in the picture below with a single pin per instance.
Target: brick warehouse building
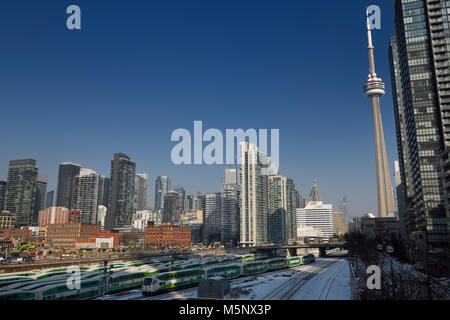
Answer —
(167, 236)
(73, 235)
(54, 215)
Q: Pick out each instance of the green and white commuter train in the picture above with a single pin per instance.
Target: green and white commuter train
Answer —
(174, 280)
(153, 276)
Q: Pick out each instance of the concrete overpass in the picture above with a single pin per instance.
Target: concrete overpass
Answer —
(292, 249)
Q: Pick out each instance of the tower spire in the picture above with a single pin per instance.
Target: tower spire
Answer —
(370, 47)
(374, 89)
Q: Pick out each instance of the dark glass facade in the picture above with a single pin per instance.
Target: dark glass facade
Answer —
(420, 67)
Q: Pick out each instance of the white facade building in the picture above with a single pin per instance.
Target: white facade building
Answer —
(142, 217)
(317, 215)
(254, 183)
(101, 215)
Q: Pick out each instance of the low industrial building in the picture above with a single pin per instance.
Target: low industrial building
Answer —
(167, 236)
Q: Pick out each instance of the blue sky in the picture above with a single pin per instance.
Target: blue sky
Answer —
(137, 70)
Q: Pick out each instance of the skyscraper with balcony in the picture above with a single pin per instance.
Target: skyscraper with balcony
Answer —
(162, 186)
(67, 170)
(420, 72)
(291, 214)
(121, 207)
(230, 216)
(85, 195)
(254, 182)
(140, 194)
(21, 190)
(278, 207)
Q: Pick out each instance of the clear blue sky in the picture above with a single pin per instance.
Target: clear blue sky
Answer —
(140, 69)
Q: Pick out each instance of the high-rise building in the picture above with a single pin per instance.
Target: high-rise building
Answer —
(299, 200)
(374, 90)
(162, 186)
(67, 170)
(102, 211)
(317, 215)
(49, 199)
(121, 207)
(21, 190)
(230, 215)
(231, 176)
(40, 196)
(343, 209)
(181, 198)
(421, 80)
(277, 214)
(2, 194)
(254, 195)
(196, 201)
(291, 215)
(340, 227)
(140, 193)
(142, 217)
(171, 210)
(104, 191)
(212, 218)
(85, 195)
(404, 190)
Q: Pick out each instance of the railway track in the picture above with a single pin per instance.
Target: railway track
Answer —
(331, 282)
(136, 294)
(289, 288)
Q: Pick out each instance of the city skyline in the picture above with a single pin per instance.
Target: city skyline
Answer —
(289, 86)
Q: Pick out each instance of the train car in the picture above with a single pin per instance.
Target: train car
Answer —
(227, 271)
(126, 280)
(88, 289)
(255, 267)
(309, 258)
(192, 266)
(294, 261)
(8, 281)
(262, 256)
(277, 263)
(13, 285)
(17, 274)
(172, 280)
(249, 257)
(16, 295)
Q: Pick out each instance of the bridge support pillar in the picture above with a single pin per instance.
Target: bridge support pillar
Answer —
(322, 252)
(291, 252)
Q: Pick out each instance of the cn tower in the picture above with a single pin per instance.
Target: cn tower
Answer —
(374, 89)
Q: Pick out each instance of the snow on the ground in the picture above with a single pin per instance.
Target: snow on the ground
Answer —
(332, 284)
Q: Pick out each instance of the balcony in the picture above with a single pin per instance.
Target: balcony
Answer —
(436, 13)
(438, 35)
